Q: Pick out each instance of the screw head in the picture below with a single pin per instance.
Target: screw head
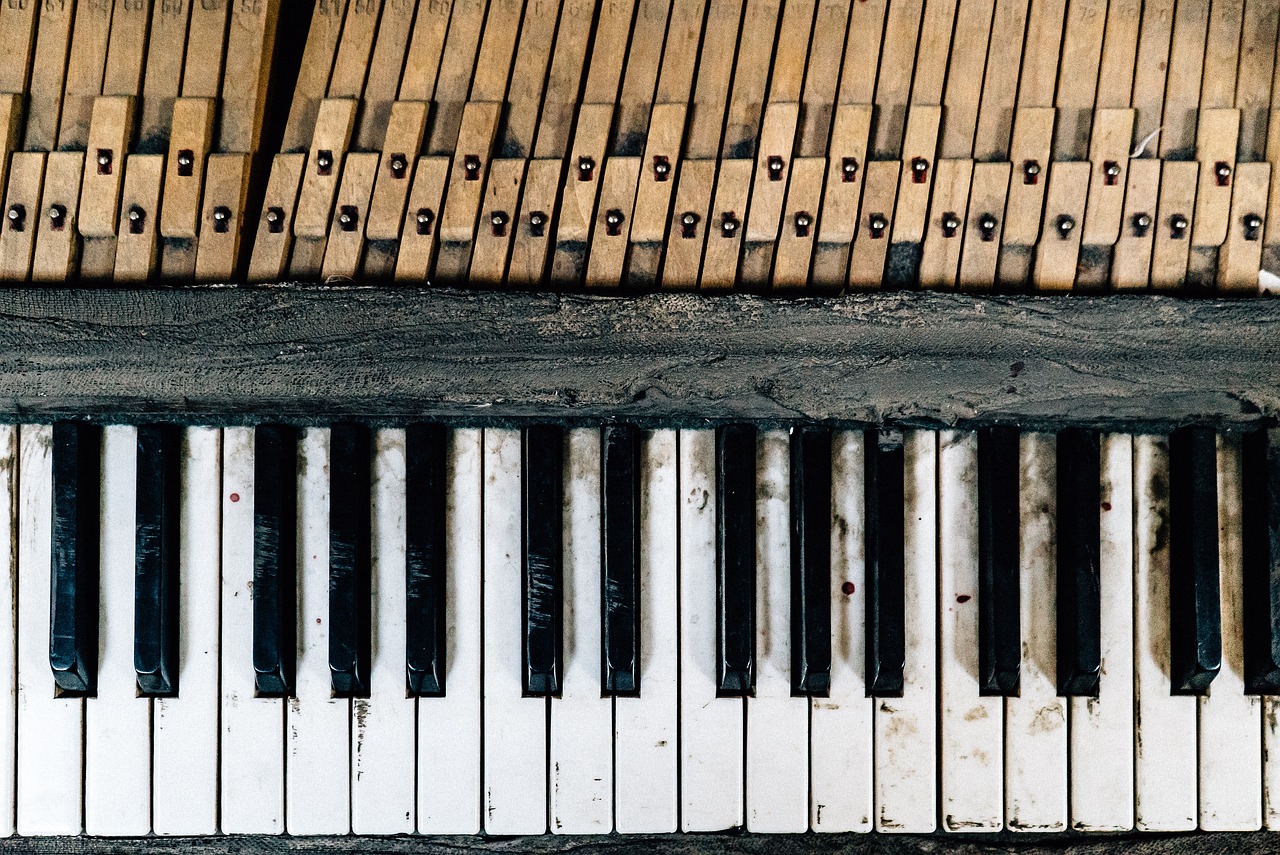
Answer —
(185, 160)
(878, 222)
(951, 222)
(221, 215)
(273, 217)
(688, 218)
(398, 163)
(14, 213)
(56, 212)
(498, 218)
(1113, 170)
(919, 164)
(1222, 170)
(850, 166)
(1065, 225)
(1032, 168)
(1143, 221)
(729, 226)
(104, 159)
(803, 221)
(537, 218)
(613, 218)
(1252, 222)
(1178, 221)
(344, 218)
(987, 222)
(662, 167)
(135, 214)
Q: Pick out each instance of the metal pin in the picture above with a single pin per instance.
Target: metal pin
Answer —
(186, 162)
(324, 161)
(1178, 226)
(877, 223)
(613, 222)
(987, 227)
(1065, 224)
(1030, 171)
(275, 219)
(689, 224)
(399, 165)
(221, 219)
(348, 216)
(537, 223)
(425, 218)
(1141, 222)
(498, 222)
(57, 216)
(849, 169)
(950, 223)
(803, 221)
(137, 219)
(17, 217)
(728, 224)
(1252, 225)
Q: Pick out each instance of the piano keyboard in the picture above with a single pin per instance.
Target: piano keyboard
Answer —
(811, 145)
(500, 630)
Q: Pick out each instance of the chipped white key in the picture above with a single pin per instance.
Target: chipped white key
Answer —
(581, 719)
(646, 785)
(449, 753)
(971, 726)
(117, 772)
(185, 728)
(840, 725)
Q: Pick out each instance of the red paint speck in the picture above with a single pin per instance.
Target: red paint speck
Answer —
(847, 589)
(1106, 506)
(963, 598)
(235, 497)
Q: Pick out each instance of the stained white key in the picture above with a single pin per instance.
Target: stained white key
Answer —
(515, 727)
(1036, 720)
(1165, 756)
(318, 757)
(185, 729)
(971, 726)
(1101, 728)
(840, 725)
(382, 729)
(117, 799)
(449, 754)
(50, 760)
(252, 764)
(777, 724)
(8, 626)
(646, 788)
(906, 728)
(582, 720)
(711, 731)
(1230, 784)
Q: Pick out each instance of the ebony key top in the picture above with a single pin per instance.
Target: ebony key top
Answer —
(735, 560)
(425, 642)
(543, 559)
(885, 533)
(275, 560)
(350, 556)
(999, 607)
(1079, 559)
(1195, 623)
(811, 561)
(1261, 531)
(621, 555)
(155, 605)
(73, 612)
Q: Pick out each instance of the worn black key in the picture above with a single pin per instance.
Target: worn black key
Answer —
(811, 561)
(543, 571)
(621, 594)
(885, 530)
(73, 612)
(1195, 625)
(425, 654)
(1079, 548)
(1261, 530)
(350, 569)
(735, 560)
(999, 609)
(275, 524)
(155, 584)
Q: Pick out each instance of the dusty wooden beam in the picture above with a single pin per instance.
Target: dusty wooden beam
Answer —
(311, 354)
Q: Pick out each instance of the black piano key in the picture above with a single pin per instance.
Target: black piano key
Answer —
(155, 591)
(885, 532)
(1079, 548)
(621, 572)
(811, 561)
(1260, 525)
(999, 608)
(735, 560)
(275, 522)
(73, 612)
(425, 498)
(1195, 626)
(543, 571)
(350, 569)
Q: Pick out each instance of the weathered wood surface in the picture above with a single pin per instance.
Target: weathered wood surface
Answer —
(314, 353)
(693, 844)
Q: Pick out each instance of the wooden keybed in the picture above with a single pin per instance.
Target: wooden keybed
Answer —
(810, 146)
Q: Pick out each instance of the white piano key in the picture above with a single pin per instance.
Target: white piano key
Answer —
(185, 729)
(1101, 728)
(50, 760)
(318, 754)
(252, 764)
(1036, 721)
(1165, 756)
(383, 725)
(971, 726)
(646, 785)
(449, 753)
(840, 725)
(1230, 785)
(777, 724)
(906, 728)
(582, 720)
(711, 728)
(515, 727)
(8, 627)
(117, 799)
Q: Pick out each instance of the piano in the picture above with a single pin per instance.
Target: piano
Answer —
(373, 463)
